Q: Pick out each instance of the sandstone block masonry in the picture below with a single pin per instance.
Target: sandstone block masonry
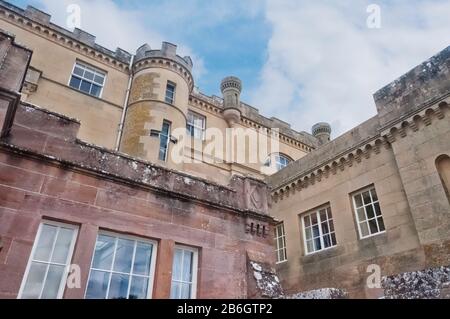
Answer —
(403, 156)
(47, 174)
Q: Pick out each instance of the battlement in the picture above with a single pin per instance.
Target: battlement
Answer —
(167, 51)
(37, 16)
(231, 82)
(415, 89)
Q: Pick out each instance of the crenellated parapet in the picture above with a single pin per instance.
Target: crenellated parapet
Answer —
(322, 131)
(79, 40)
(419, 88)
(165, 58)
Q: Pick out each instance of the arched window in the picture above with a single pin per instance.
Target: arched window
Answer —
(278, 161)
(443, 167)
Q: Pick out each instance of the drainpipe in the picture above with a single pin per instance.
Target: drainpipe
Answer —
(125, 106)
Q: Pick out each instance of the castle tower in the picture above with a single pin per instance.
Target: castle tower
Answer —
(157, 106)
(231, 88)
(322, 131)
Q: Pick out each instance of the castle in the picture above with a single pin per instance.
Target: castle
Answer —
(119, 179)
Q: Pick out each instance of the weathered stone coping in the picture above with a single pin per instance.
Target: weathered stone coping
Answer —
(51, 137)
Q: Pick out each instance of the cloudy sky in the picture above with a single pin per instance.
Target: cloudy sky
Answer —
(301, 61)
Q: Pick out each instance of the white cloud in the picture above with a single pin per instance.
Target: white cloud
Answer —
(324, 64)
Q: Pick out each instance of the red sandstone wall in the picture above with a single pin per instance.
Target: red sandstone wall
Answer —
(31, 190)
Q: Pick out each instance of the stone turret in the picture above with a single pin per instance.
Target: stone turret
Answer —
(231, 88)
(322, 131)
(158, 103)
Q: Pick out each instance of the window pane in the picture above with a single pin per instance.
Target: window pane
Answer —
(169, 99)
(331, 225)
(330, 216)
(124, 255)
(374, 195)
(98, 285)
(35, 280)
(307, 220)
(104, 251)
(185, 291)
(317, 244)
(139, 288)
(96, 90)
(327, 241)
(198, 133)
(364, 229)
(53, 282)
(45, 244)
(309, 245)
(381, 224)
(377, 209)
(190, 130)
(75, 83)
(314, 219)
(361, 214)
(325, 229)
(99, 79)
(323, 215)
(199, 121)
(162, 154)
(176, 271)
(358, 201)
(333, 239)
(175, 290)
(88, 75)
(373, 226)
(366, 198)
(119, 286)
(278, 231)
(370, 212)
(142, 259)
(165, 129)
(62, 246)
(280, 242)
(85, 86)
(316, 232)
(187, 265)
(78, 71)
(164, 141)
(279, 255)
(282, 255)
(308, 233)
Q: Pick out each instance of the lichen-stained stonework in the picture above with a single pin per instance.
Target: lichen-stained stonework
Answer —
(144, 87)
(432, 283)
(138, 116)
